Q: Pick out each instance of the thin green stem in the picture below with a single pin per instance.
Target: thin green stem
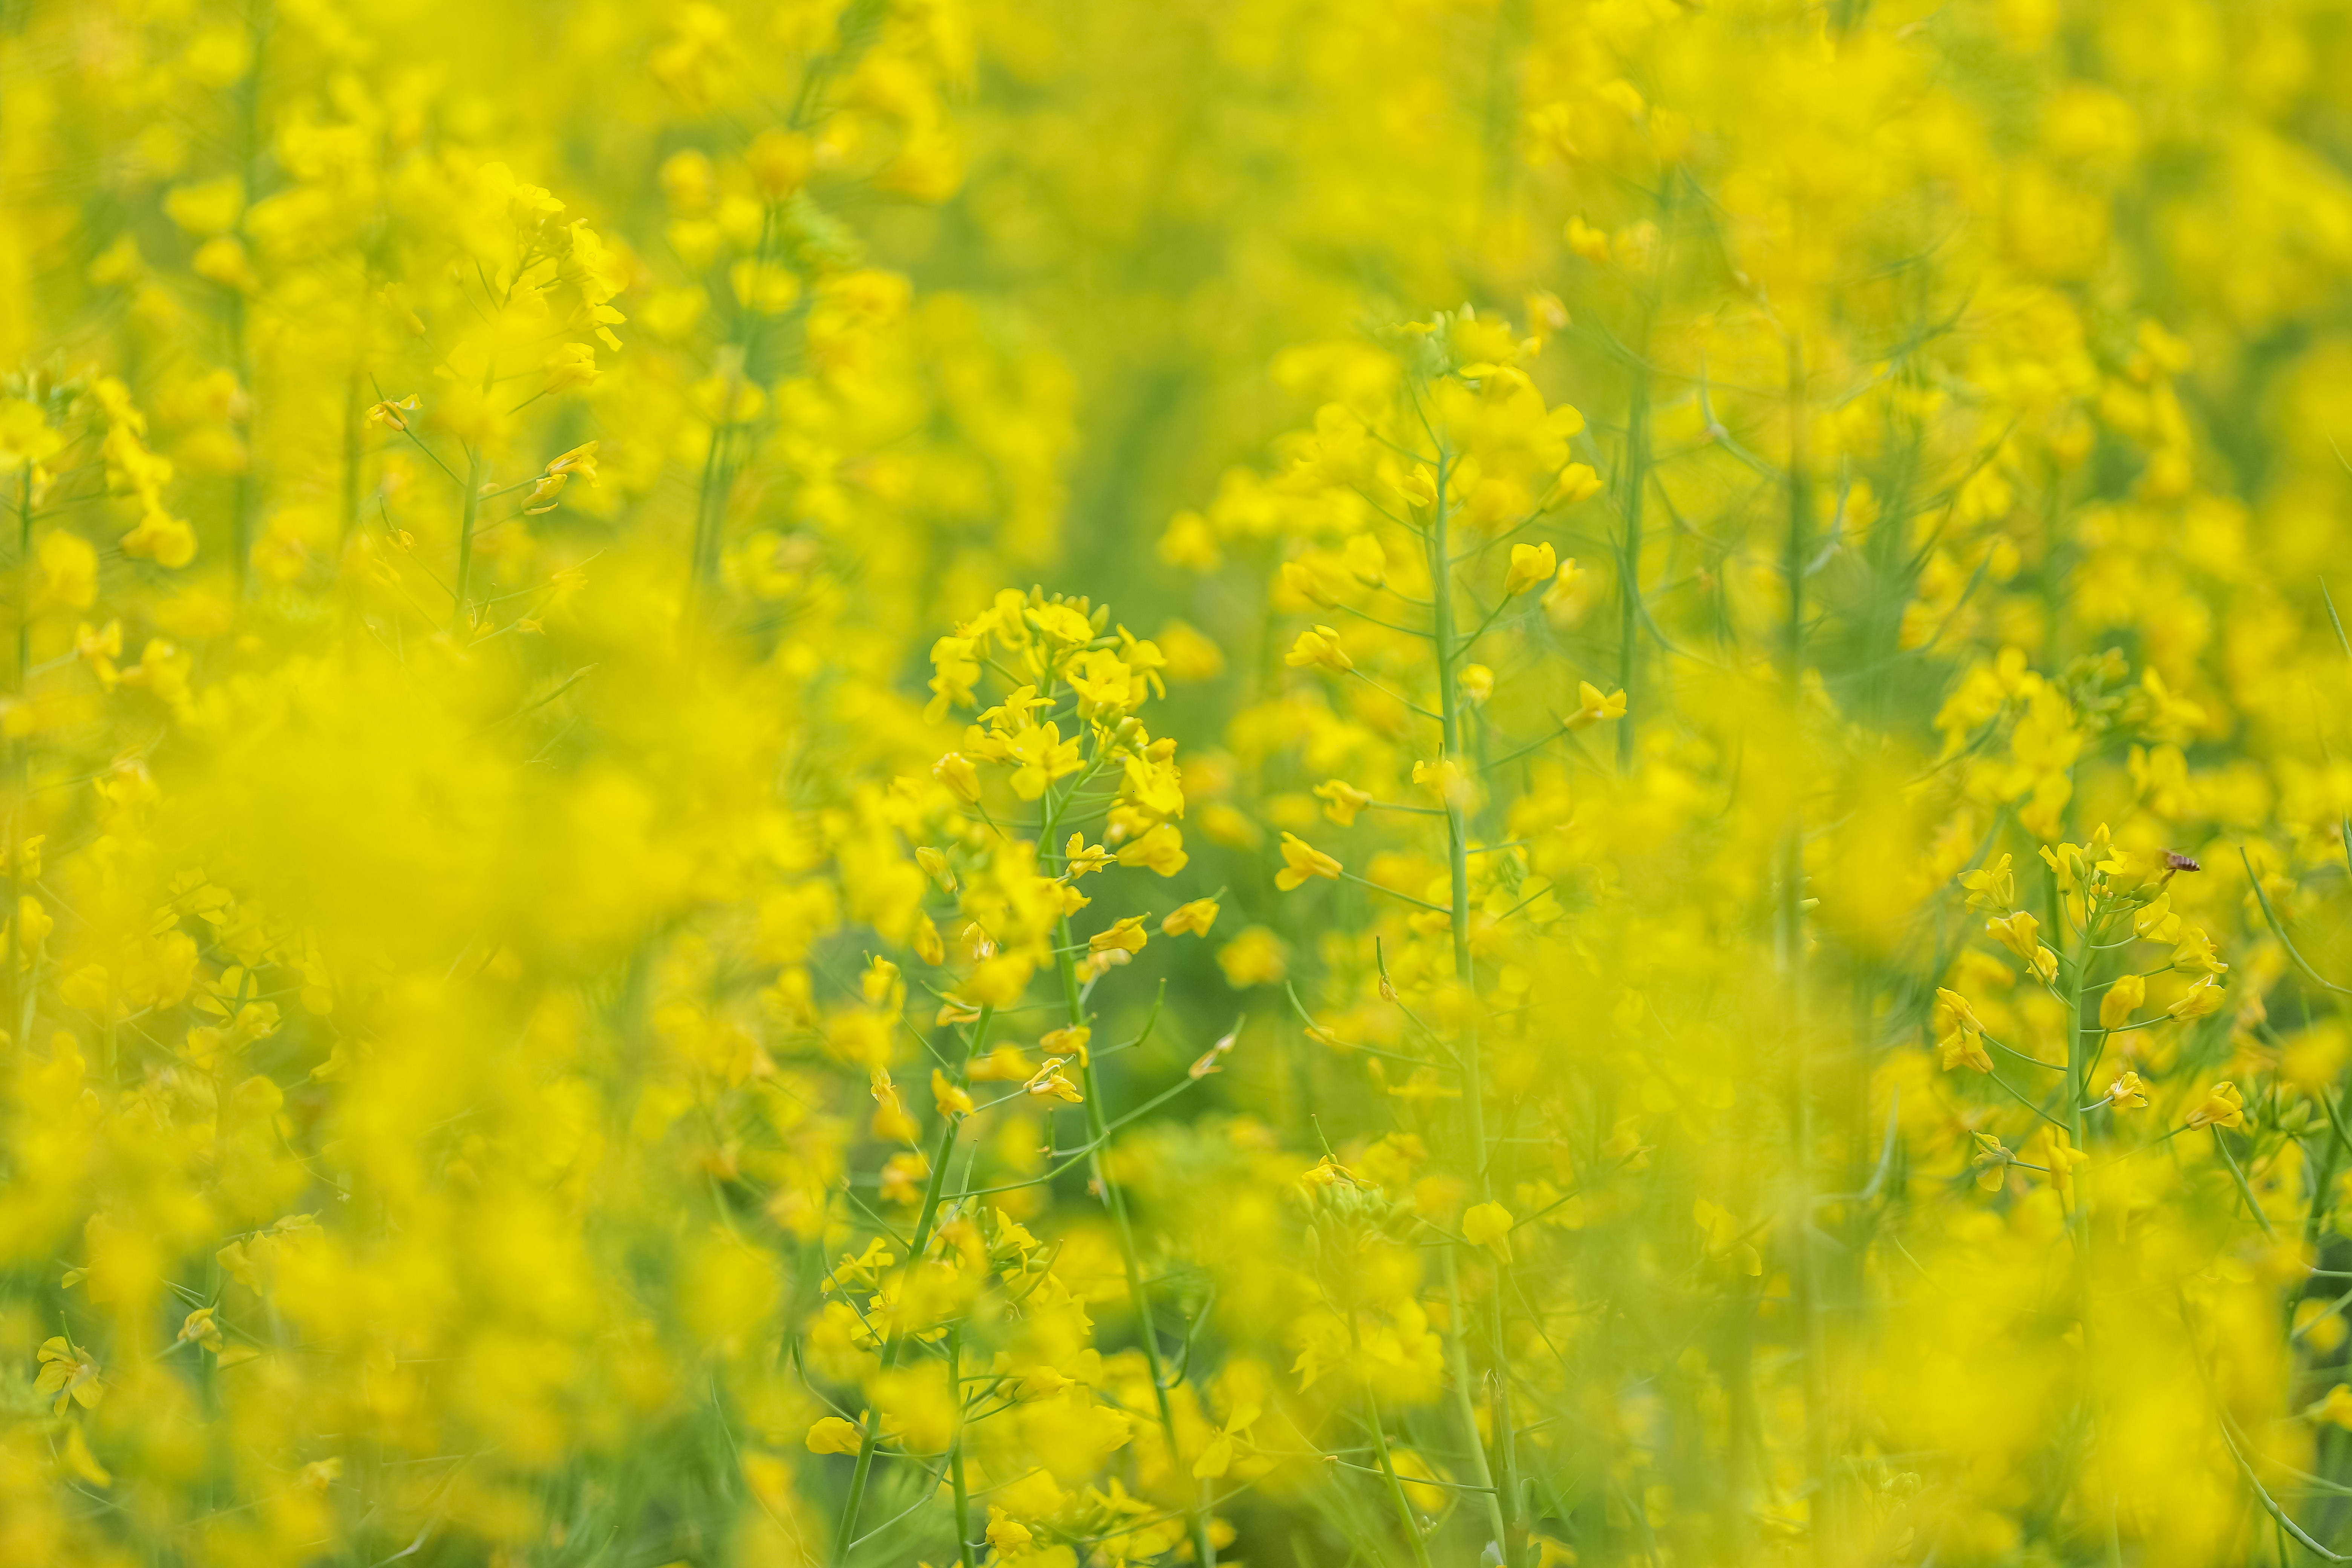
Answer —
(1790, 933)
(473, 509)
(1405, 1520)
(847, 1534)
(1473, 1083)
(955, 1452)
(1465, 1405)
(1196, 1518)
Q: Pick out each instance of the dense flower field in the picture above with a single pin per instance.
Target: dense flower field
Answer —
(1658, 875)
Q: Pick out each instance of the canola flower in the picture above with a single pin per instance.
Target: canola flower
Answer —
(1693, 908)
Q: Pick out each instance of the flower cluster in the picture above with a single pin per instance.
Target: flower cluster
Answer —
(1696, 909)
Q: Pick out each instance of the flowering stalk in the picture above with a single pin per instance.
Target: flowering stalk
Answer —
(243, 490)
(1812, 1340)
(1405, 1520)
(19, 1021)
(1633, 485)
(719, 463)
(871, 1434)
(1196, 1519)
(1502, 1503)
(473, 499)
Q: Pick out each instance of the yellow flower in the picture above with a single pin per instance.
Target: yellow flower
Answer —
(1077, 859)
(1993, 887)
(1564, 599)
(779, 161)
(2222, 1106)
(1321, 649)
(1959, 1037)
(2319, 1326)
(1341, 801)
(1302, 861)
(832, 1434)
(2127, 1092)
(570, 365)
(1127, 936)
(222, 259)
(764, 288)
(2123, 999)
(901, 1178)
(161, 538)
(1489, 1225)
(81, 1461)
(392, 414)
(956, 771)
(1070, 1040)
(1254, 957)
(2021, 934)
(206, 209)
(68, 569)
(2196, 953)
(1530, 564)
(1040, 756)
(34, 924)
(67, 1372)
(1993, 1162)
(1303, 579)
(1049, 1082)
(1161, 849)
(2337, 1407)
(1447, 781)
(1593, 707)
(2200, 1000)
(1105, 685)
(1004, 1064)
(200, 1327)
(580, 460)
(1190, 656)
(100, 649)
(1193, 919)
(25, 436)
(951, 1097)
(891, 1123)
(2059, 1158)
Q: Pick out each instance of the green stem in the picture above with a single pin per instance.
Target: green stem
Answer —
(473, 507)
(1411, 1526)
(242, 489)
(955, 1451)
(1473, 1083)
(717, 463)
(1633, 492)
(710, 508)
(354, 446)
(19, 760)
(1632, 485)
(2076, 970)
(1465, 1405)
(1196, 1518)
(847, 1533)
(1813, 1338)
